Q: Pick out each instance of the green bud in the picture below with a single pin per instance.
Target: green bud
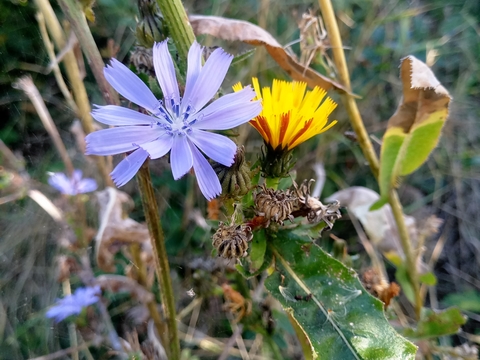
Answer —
(276, 163)
(236, 179)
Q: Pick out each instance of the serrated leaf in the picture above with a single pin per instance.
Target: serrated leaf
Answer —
(415, 128)
(434, 324)
(328, 301)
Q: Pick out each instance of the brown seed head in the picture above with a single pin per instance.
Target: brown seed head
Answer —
(231, 241)
(274, 205)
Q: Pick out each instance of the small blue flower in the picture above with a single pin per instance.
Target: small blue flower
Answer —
(176, 125)
(73, 304)
(72, 186)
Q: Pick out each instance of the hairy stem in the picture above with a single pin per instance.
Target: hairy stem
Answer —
(365, 143)
(162, 267)
(177, 22)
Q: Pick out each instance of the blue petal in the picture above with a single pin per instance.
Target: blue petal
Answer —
(165, 71)
(206, 177)
(159, 147)
(119, 140)
(229, 111)
(128, 167)
(130, 86)
(117, 115)
(208, 81)
(62, 183)
(193, 70)
(215, 146)
(180, 157)
(86, 185)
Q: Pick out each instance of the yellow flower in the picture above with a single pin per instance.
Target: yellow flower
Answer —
(290, 116)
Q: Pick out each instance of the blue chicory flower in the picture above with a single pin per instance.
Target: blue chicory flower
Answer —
(73, 185)
(73, 304)
(176, 125)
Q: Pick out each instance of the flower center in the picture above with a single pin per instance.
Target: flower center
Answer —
(178, 123)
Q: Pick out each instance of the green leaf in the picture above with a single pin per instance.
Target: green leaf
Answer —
(246, 269)
(257, 252)
(434, 324)
(402, 277)
(428, 279)
(415, 128)
(467, 301)
(341, 320)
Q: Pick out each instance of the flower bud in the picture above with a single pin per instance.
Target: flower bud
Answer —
(236, 179)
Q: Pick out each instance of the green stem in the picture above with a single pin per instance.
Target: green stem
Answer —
(177, 22)
(74, 13)
(162, 267)
(365, 143)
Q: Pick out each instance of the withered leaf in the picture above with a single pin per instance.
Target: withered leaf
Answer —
(415, 128)
(116, 229)
(239, 30)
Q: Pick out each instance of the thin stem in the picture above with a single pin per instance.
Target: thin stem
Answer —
(28, 87)
(74, 78)
(177, 22)
(151, 305)
(74, 13)
(53, 60)
(150, 208)
(72, 331)
(407, 248)
(365, 143)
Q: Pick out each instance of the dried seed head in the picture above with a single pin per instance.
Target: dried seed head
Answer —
(274, 205)
(313, 208)
(236, 179)
(231, 241)
(142, 59)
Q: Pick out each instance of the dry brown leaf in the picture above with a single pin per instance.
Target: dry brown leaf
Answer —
(119, 283)
(116, 229)
(239, 30)
(379, 224)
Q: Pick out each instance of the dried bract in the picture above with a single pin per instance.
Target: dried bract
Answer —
(236, 303)
(274, 205)
(231, 241)
(313, 208)
(376, 284)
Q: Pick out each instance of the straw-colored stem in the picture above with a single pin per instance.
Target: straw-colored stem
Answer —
(28, 87)
(178, 25)
(150, 208)
(53, 60)
(151, 305)
(365, 143)
(74, 13)
(74, 78)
